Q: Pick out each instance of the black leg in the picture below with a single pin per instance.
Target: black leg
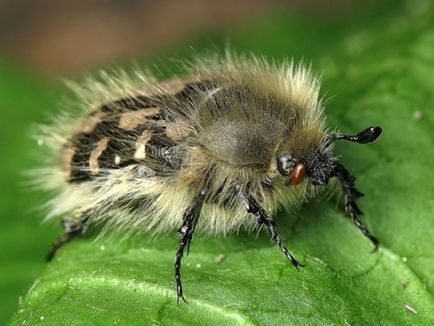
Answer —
(351, 194)
(253, 207)
(190, 218)
(72, 229)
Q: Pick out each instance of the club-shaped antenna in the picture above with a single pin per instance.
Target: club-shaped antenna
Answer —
(369, 135)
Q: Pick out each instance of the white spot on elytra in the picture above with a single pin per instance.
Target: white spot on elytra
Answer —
(140, 153)
(117, 160)
(95, 154)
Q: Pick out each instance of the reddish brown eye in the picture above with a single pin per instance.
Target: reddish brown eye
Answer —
(297, 175)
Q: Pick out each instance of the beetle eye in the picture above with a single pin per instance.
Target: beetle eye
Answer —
(297, 174)
(285, 164)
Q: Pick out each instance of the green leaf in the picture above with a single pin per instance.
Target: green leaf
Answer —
(23, 100)
(380, 71)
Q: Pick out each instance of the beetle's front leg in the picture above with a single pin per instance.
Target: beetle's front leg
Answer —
(351, 194)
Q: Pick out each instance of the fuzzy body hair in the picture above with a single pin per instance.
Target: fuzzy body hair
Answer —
(139, 150)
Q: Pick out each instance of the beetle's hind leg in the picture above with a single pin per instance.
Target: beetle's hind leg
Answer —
(351, 194)
(190, 218)
(73, 228)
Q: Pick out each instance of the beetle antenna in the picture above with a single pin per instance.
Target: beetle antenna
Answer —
(369, 135)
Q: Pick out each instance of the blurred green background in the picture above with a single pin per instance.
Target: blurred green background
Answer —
(376, 60)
